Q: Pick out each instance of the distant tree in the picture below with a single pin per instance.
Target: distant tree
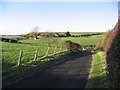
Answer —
(68, 34)
(73, 35)
(35, 30)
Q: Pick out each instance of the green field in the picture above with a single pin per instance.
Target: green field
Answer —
(84, 40)
(10, 53)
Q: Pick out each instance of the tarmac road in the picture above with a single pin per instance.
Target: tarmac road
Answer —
(72, 72)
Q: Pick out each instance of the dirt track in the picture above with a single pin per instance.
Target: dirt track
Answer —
(72, 72)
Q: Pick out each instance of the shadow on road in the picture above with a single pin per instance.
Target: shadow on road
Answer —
(71, 72)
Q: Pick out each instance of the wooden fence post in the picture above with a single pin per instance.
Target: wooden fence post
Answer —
(55, 49)
(61, 49)
(65, 48)
(36, 55)
(47, 51)
(20, 58)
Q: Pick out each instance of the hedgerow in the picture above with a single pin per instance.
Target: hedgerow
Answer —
(101, 45)
(113, 58)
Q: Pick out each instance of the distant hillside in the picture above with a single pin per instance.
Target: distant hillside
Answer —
(83, 33)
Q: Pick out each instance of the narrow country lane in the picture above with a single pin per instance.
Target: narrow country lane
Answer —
(69, 73)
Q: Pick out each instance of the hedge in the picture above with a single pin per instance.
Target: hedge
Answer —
(113, 58)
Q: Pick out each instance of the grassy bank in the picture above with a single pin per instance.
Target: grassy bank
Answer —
(97, 72)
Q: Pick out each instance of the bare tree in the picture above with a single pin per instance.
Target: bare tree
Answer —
(36, 30)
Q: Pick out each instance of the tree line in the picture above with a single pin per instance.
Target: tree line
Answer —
(56, 34)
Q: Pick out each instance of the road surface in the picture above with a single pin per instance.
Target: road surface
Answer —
(72, 72)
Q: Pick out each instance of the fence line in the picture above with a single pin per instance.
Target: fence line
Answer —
(36, 55)
(20, 58)
(55, 49)
(47, 51)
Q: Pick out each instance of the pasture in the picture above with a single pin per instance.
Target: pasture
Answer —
(84, 40)
(10, 53)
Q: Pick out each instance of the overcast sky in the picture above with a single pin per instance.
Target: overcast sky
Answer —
(21, 17)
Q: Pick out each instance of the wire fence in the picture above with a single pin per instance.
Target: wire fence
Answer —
(22, 56)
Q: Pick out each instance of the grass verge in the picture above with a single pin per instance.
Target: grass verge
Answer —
(97, 72)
